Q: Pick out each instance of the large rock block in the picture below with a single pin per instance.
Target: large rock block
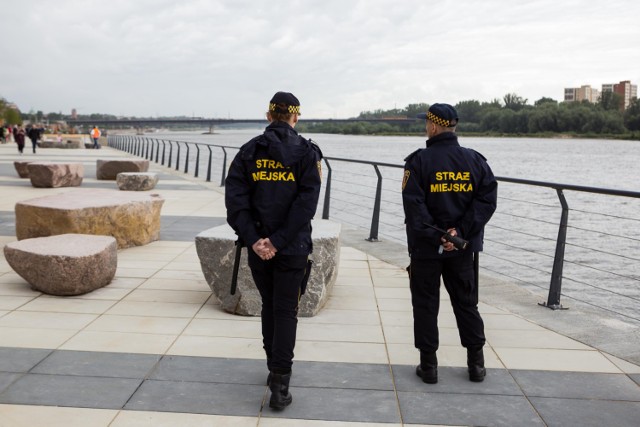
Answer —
(22, 169)
(133, 218)
(216, 251)
(137, 181)
(68, 264)
(53, 174)
(109, 169)
(69, 143)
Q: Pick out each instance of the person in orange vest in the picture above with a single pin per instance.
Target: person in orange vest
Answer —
(95, 134)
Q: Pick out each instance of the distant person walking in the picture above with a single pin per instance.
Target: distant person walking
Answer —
(272, 193)
(19, 136)
(452, 188)
(34, 134)
(95, 135)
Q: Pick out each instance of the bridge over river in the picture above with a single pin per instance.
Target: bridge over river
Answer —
(212, 122)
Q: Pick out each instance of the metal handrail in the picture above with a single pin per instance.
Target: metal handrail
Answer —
(133, 145)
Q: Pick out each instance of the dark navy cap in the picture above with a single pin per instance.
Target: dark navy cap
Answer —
(284, 103)
(441, 114)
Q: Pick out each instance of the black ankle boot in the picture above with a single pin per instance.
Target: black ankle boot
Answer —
(475, 363)
(428, 367)
(279, 385)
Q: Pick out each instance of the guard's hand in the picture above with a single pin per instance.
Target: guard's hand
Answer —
(264, 249)
(448, 246)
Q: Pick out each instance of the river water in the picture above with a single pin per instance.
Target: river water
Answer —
(602, 255)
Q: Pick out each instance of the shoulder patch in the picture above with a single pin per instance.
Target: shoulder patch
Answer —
(248, 150)
(479, 154)
(410, 156)
(315, 148)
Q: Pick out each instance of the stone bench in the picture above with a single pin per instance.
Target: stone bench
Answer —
(109, 169)
(53, 174)
(137, 181)
(68, 264)
(133, 218)
(21, 168)
(216, 251)
(69, 143)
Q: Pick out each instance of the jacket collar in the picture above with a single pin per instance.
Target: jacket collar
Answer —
(445, 138)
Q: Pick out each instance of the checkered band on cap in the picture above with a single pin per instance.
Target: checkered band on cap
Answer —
(437, 120)
(290, 109)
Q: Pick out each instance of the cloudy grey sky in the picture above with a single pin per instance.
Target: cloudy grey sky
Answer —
(225, 58)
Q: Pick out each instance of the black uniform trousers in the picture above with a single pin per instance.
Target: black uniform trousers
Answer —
(458, 277)
(278, 280)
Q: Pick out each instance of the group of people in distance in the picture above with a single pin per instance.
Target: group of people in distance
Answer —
(19, 134)
(449, 194)
(34, 132)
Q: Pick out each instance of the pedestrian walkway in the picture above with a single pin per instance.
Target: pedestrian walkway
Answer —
(153, 348)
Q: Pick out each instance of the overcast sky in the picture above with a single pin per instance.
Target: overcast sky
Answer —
(226, 58)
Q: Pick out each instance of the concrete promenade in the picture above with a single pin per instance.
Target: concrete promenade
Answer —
(153, 348)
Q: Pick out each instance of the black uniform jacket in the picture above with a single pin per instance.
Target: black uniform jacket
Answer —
(272, 189)
(448, 186)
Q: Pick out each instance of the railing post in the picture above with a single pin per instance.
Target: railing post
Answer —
(151, 141)
(157, 149)
(209, 165)
(163, 150)
(186, 160)
(375, 219)
(170, 154)
(197, 161)
(555, 287)
(224, 167)
(327, 192)
(178, 156)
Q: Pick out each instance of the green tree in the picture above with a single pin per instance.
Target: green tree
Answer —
(12, 116)
(544, 100)
(469, 111)
(632, 115)
(514, 102)
(544, 118)
(610, 101)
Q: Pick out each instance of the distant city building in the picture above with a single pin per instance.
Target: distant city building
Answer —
(625, 89)
(582, 93)
(74, 114)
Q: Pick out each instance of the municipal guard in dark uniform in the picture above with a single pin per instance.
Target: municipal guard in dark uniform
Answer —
(453, 189)
(271, 195)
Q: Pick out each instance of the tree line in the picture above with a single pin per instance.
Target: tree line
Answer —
(510, 116)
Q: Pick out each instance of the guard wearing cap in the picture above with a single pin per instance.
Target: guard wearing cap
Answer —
(453, 189)
(271, 195)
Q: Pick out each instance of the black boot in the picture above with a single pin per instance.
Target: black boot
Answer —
(428, 367)
(475, 363)
(279, 385)
(269, 367)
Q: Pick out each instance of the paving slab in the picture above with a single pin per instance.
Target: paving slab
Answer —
(64, 390)
(456, 380)
(97, 364)
(20, 359)
(467, 409)
(213, 370)
(577, 385)
(587, 412)
(335, 404)
(198, 398)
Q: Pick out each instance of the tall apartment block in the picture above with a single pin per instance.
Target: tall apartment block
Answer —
(625, 89)
(582, 93)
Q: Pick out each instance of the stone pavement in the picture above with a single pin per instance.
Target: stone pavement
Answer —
(153, 348)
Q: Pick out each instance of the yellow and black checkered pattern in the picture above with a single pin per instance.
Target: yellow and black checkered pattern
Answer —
(291, 109)
(437, 120)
